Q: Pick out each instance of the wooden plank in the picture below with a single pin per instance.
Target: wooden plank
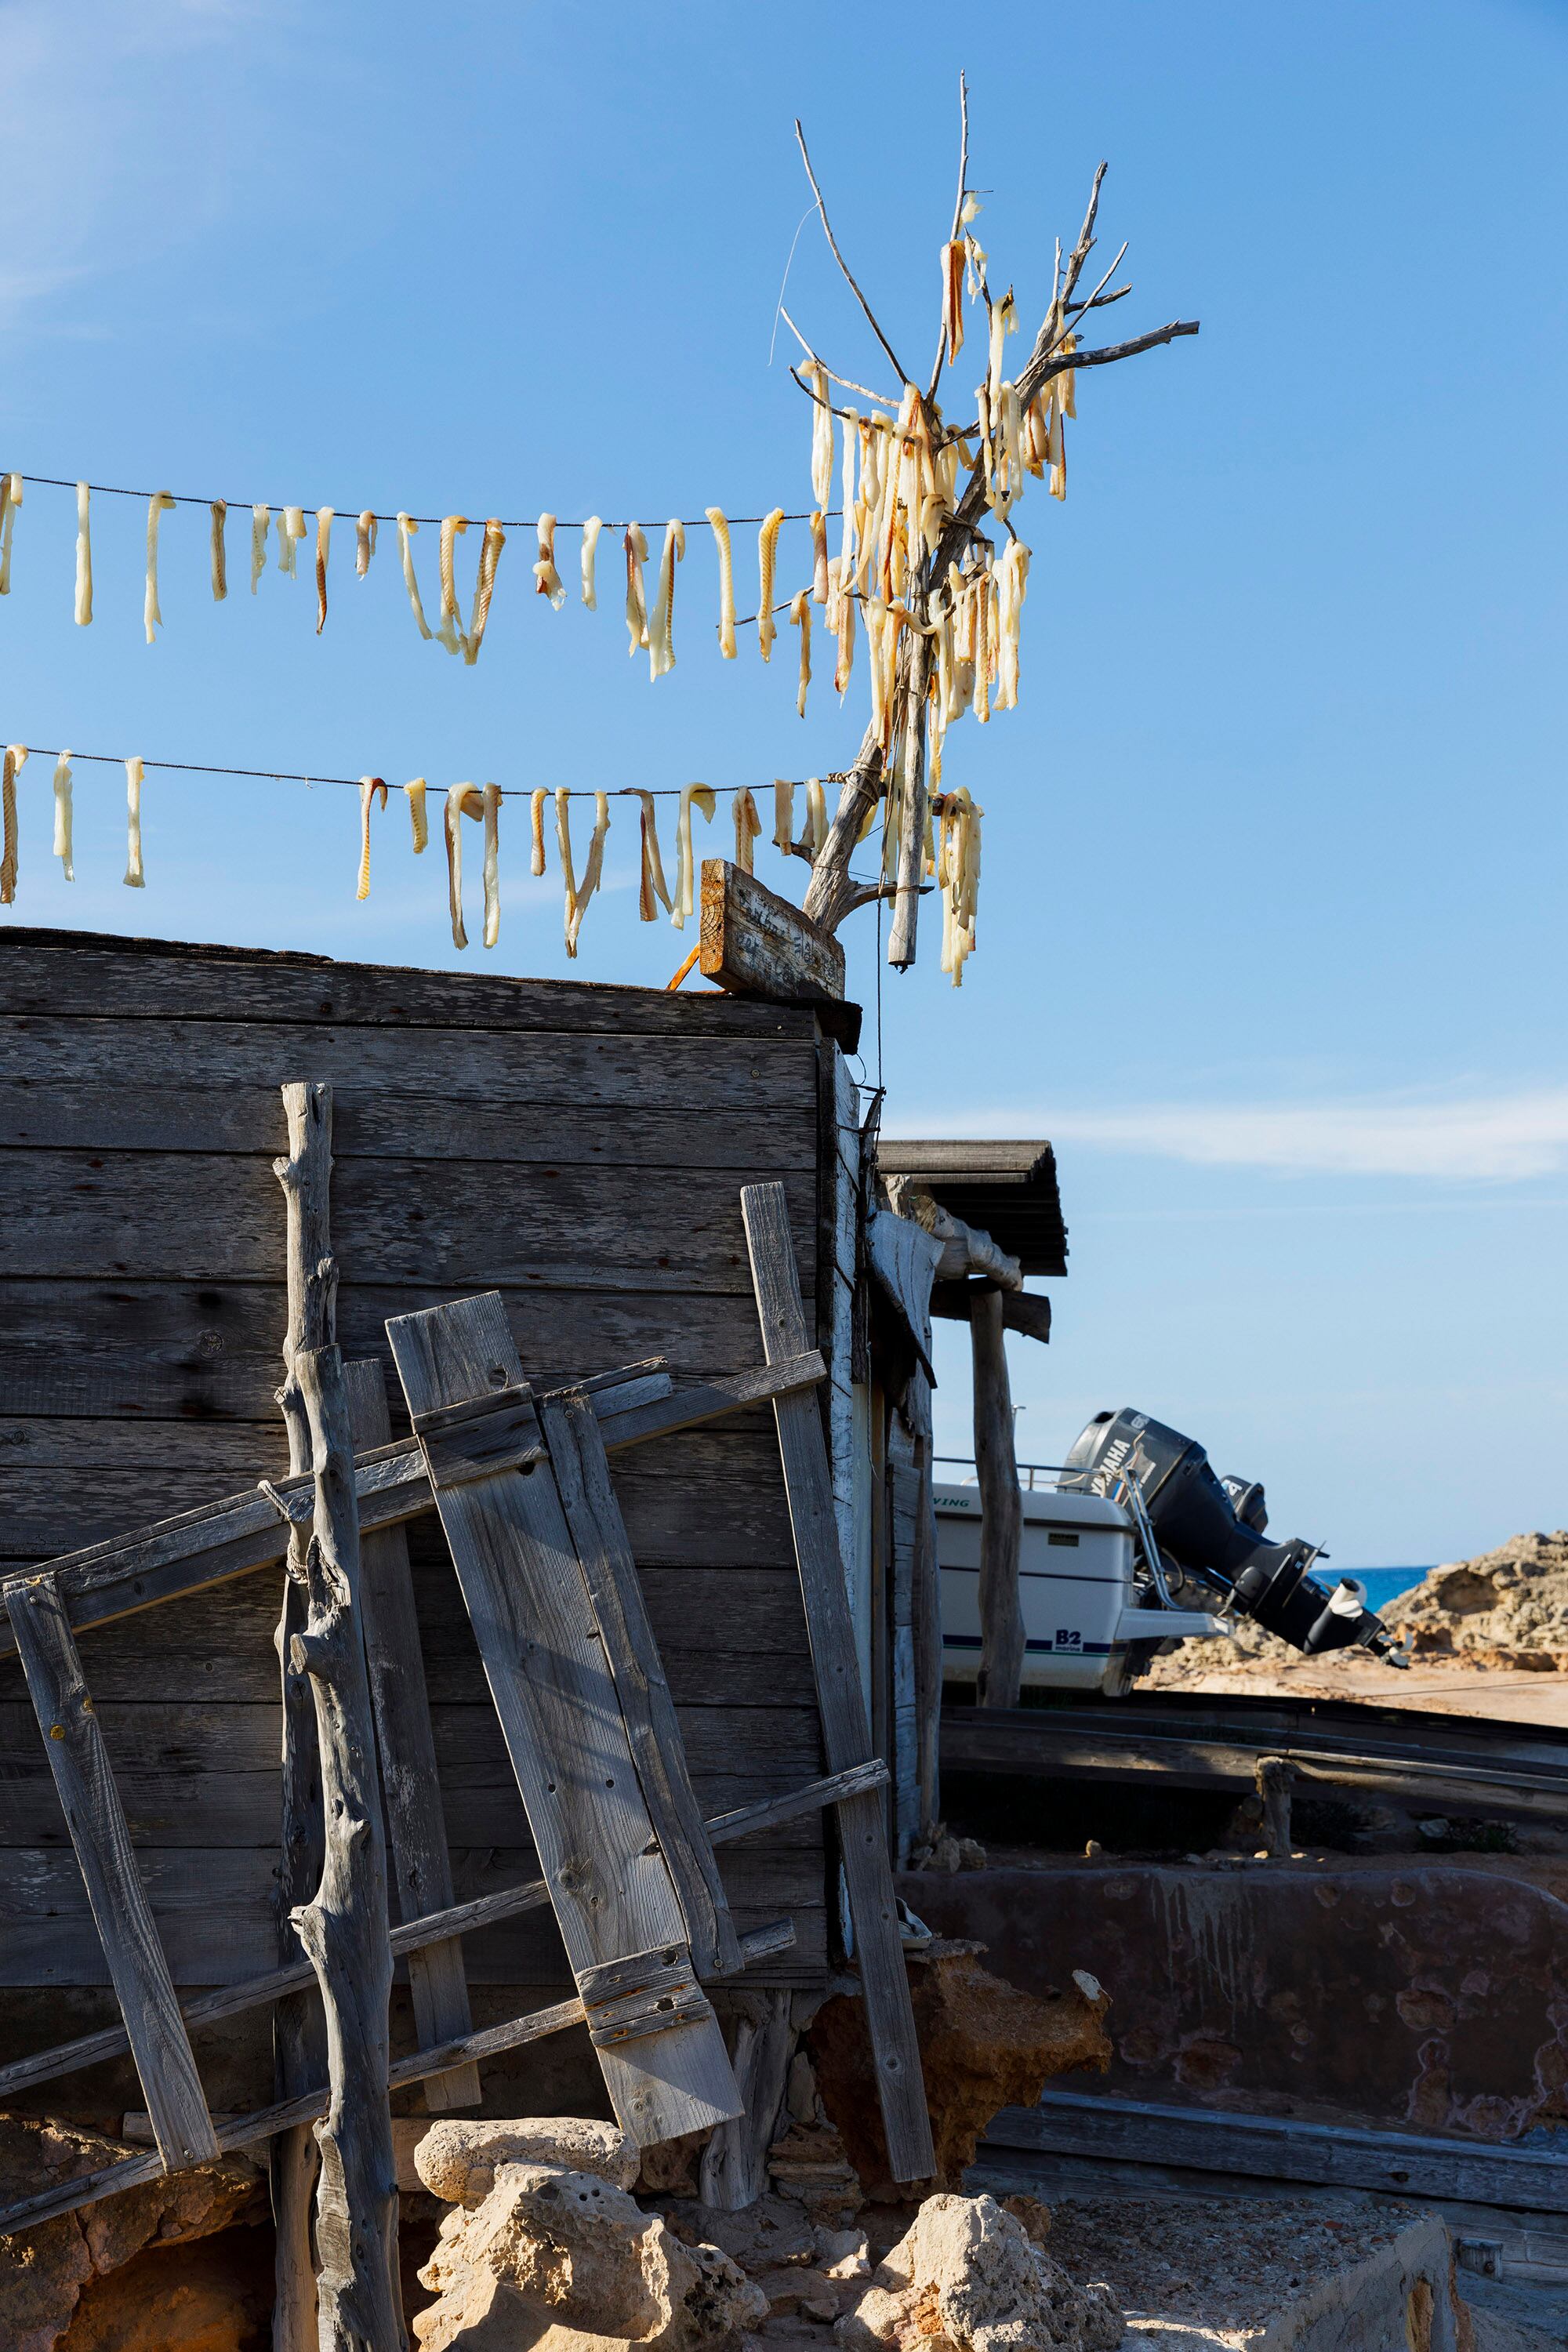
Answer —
(568, 1741)
(1341, 2156)
(1002, 1511)
(535, 1071)
(91, 1114)
(845, 1732)
(754, 943)
(248, 2130)
(205, 1547)
(54, 973)
(79, 1759)
(1023, 1311)
(459, 1919)
(598, 1533)
(410, 1782)
(172, 1214)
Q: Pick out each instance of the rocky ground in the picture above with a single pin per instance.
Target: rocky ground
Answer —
(1485, 1636)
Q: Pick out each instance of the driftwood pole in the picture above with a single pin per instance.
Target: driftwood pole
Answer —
(298, 2042)
(1001, 1507)
(343, 1928)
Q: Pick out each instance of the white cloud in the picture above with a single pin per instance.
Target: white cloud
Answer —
(1501, 1138)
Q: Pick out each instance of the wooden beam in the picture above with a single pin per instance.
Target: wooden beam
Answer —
(415, 1935)
(343, 1927)
(1023, 1311)
(73, 1740)
(1001, 1508)
(265, 2123)
(582, 1471)
(199, 1548)
(410, 1782)
(755, 943)
(299, 2040)
(567, 1739)
(846, 1733)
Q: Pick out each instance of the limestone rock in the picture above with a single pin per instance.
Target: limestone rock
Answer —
(966, 2277)
(844, 2253)
(766, 2236)
(456, 2159)
(584, 2258)
(813, 2165)
(984, 2045)
(44, 2271)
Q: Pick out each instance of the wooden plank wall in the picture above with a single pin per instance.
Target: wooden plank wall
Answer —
(581, 1150)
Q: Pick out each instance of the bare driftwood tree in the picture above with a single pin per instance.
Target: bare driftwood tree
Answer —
(935, 570)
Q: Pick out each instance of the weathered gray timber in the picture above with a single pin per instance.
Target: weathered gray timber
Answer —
(756, 942)
(391, 1483)
(448, 2057)
(734, 2168)
(299, 2038)
(73, 1739)
(1002, 1511)
(343, 1928)
(415, 1935)
(555, 1696)
(581, 1469)
(845, 1732)
(410, 1777)
(579, 1148)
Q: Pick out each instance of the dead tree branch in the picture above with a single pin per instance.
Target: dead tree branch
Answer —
(844, 265)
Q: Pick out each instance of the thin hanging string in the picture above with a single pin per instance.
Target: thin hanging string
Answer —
(188, 499)
(283, 776)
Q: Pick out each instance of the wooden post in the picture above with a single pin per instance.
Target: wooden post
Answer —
(343, 1928)
(1001, 1507)
(299, 2042)
(912, 814)
(411, 1786)
(1276, 1776)
(927, 1612)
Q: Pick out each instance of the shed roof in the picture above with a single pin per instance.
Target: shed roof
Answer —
(1008, 1190)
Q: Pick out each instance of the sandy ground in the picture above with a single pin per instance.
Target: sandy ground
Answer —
(1505, 1694)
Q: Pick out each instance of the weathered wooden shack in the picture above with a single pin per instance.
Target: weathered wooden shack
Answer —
(579, 1148)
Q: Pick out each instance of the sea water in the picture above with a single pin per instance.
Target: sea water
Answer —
(1382, 1584)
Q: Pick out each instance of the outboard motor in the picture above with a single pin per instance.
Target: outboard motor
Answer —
(1214, 1529)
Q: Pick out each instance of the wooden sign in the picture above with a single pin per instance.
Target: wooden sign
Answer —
(754, 943)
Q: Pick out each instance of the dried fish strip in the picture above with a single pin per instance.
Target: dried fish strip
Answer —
(592, 870)
(1012, 587)
(368, 788)
(61, 848)
(291, 532)
(702, 797)
(136, 879)
(821, 436)
(490, 546)
(819, 588)
(462, 800)
(720, 530)
(953, 297)
(547, 580)
(364, 541)
(10, 500)
(767, 559)
(323, 548)
(748, 828)
(218, 550)
(591, 531)
(847, 501)
(406, 527)
(816, 813)
(653, 891)
(261, 517)
(450, 631)
(844, 664)
(800, 618)
(10, 768)
(158, 505)
(660, 627)
(83, 557)
(783, 815)
(536, 801)
(568, 877)
(491, 798)
(958, 877)
(415, 792)
(635, 542)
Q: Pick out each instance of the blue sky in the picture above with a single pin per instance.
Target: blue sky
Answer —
(1271, 922)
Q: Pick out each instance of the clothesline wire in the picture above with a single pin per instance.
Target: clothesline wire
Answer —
(508, 792)
(351, 514)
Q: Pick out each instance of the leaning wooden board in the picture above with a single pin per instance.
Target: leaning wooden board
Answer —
(845, 1730)
(615, 1900)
